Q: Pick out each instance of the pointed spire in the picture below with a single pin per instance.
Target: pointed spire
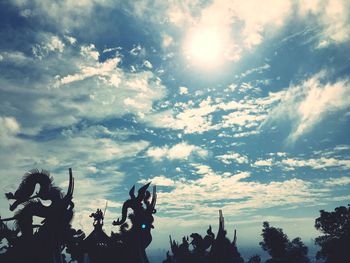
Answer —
(235, 238)
(221, 231)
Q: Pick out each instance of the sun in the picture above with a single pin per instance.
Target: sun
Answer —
(204, 46)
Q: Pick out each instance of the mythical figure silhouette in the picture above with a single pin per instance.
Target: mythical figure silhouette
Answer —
(132, 241)
(96, 246)
(205, 250)
(98, 217)
(47, 242)
(223, 250)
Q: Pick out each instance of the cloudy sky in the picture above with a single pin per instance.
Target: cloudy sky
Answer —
(242, 106)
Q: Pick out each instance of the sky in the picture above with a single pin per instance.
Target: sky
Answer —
(242, 106)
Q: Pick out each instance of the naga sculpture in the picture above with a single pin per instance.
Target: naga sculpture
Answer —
(47, 242)
(44, 242)
(130, 242)
(133, 241)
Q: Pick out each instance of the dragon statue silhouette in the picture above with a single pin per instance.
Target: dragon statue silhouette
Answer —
(134, 240)
(45, 244)
(128, 244)
(53, 240)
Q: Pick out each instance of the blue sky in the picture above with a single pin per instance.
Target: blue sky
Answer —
(235, 105)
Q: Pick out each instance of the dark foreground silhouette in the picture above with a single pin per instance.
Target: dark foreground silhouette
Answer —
(207, 249)
(45, 242)
(50, 240)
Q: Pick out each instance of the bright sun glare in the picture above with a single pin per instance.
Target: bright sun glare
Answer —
(205, 47)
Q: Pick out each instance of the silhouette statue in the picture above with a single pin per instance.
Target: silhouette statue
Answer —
(53, 238)
(96, 245)
(223, 250)
(45, 245)
(45, 242)
(74, 245)
(127, 245)
(8, 234)
(98, 217)
(206, 250)
(133, 241)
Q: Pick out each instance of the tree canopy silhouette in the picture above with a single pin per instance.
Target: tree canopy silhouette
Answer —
(254, 259)
(335, 243)
(277, 244)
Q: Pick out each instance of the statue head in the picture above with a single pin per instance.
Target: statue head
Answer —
(196, 240)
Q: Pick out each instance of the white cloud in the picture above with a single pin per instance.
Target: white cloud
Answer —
(322, 160)
(167, 40)
(89, 51)
(183, 90)
(147, 64)
(244, 117)
(9, 128)
(137, 50)
(9, 125)
(55, 44)
(319, 163)
(342, 148)
(191, 120)
(233, 157)
(340, 181)
(158, 181)
(49, 44)
(267, 162)
(310, 102)
(259, 69)
(76, 86)
(104, 69)
(333, 16)
(66, 14)
(204, 195)
(178, 151)
(15, 57)
(71, 40)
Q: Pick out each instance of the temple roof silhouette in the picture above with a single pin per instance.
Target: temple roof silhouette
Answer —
(97, 238)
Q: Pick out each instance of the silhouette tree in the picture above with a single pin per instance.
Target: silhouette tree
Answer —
(335, 243)
(254, 259)
(277, 244)
(297, 251)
